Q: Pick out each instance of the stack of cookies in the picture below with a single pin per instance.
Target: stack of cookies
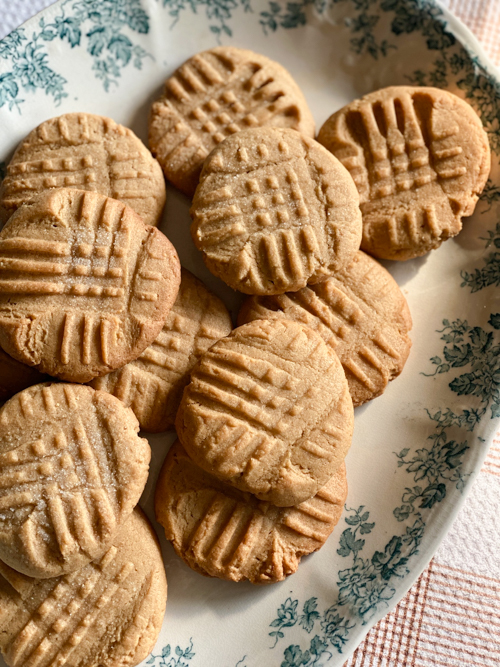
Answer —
(257, 479)
(92, 294)
(82, 577)
(85, 287)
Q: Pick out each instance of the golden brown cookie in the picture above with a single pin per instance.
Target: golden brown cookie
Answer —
(420, 159)
(215, 94)
(222, 532)
(268, 410)
(152, 385)
(108, 614)
(15, 376)
(72, 469)
(85, 285)
(274, 211)
(80, 150)
(360, 312)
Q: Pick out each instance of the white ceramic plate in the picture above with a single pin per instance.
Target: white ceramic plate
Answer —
(417, 448)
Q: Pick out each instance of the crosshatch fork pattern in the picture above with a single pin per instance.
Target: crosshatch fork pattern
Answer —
(61, 487)
(401, 157)
(73, 469)
(72, 596)
(262, 200)
(89, 153)
(100, 254)
(67, 620)
(214, 95)
(152, 385)
(268, 403)
(91, 260)
(289, 243)
(418, 158)
(208, 91)
(360, 312)
(274, 211)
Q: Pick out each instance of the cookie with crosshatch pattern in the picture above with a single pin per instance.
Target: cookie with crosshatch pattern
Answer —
(274, 211)
(109, 613)
(360, 312)
(222, 532)
(152, 385)
(15, 376)
(268, 410)
(72, 469)
(213, 95)
(420, 158)
(87, 152)
(85, 285)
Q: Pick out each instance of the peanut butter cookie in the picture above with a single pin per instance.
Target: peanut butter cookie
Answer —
(86, 152)
(152, 385)
(85, 285)
(109, 613)
(72, 470)
(268, 410)
(360, 312)
(420, 158)
(214, 94)
(222, 532)
(275, 211)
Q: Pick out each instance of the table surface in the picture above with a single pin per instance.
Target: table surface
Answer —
(451, 616)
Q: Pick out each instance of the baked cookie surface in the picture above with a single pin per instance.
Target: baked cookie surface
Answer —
(360, 312)
(109, 613)
(152, 385)
(72, 470)
(274, 211)
(15, 376)
(214, 94)
(86, 152)
(268, 410)
(420, 159)
(222, 532)
(85, 285)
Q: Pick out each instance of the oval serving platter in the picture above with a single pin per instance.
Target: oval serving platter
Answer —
(417, 448)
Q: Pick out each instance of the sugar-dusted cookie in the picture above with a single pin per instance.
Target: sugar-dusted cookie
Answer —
(85, 285)
(420, 159)
(87, 152)
(214, 94)
(360, 312)
(152, 385)
(72, 469)
(108, 614)
(268, 410)
(15, 376)
(222, 532)
(275, 211)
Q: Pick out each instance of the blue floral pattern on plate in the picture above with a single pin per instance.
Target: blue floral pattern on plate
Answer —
(377, 551)
(100, 26)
